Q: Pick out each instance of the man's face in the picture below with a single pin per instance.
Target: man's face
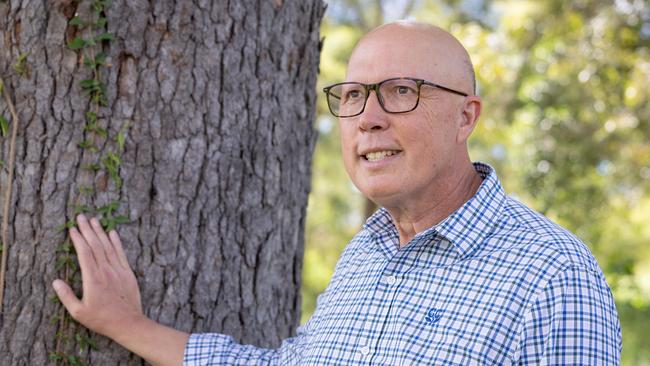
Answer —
(397, 158)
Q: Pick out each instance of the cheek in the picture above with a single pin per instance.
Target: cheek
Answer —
(441, 129)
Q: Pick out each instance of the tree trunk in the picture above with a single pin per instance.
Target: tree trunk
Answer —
(208, 116)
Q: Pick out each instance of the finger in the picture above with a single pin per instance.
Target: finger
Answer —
(103, 239)
(119, 250)
(92, 240)
(87, 261)
(67, 297)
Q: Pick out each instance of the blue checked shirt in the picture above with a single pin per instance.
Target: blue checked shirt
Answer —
(495, 283)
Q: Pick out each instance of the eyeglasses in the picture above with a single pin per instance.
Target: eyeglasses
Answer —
(396, 95)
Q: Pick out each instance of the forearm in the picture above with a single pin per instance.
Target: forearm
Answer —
(157, 344)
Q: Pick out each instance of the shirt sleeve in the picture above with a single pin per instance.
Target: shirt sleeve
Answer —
(573, 322)
(206, 349)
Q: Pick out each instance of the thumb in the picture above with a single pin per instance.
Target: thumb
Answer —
(67, 296)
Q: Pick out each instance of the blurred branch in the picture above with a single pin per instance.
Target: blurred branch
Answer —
(8, 189)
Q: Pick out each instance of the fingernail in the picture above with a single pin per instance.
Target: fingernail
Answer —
(81, 217)
(57, 285)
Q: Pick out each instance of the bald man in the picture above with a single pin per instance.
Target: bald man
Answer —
(449, 271)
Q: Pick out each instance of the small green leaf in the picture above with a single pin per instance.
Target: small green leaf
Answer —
(87, 190)
(90, 85)
(100, 59)
(74, 361)
(109, 208)
(91, 116)
(55, 356)
(92, 167)
(89, 62)
(104, 37)
(78, 209)
(101, 22)
(85, 144)
(121, 139)
(65, 247)
(91, 342)
(67, 225)
(108, 223)
(54, 320)
(72, 264)
(77, 21)
(4, 126)
(77, 44)
(97, 130)
(121, 219)
(60, 263)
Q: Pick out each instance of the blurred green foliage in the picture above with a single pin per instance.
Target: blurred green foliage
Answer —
(566, 123)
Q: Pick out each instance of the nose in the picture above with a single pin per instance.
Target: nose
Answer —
(373, 117)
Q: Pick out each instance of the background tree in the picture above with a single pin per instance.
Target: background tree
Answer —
(566, 123)
(188, 124)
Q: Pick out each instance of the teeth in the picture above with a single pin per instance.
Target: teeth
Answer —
(378, 155)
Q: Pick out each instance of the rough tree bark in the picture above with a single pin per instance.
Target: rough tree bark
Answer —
(220, 98)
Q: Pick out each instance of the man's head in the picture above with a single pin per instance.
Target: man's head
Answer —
(428, 143)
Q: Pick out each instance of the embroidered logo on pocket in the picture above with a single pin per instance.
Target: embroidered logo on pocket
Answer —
(433, 315)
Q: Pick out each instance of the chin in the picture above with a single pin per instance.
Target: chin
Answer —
(380, 195)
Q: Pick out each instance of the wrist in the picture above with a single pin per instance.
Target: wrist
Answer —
(156, 343)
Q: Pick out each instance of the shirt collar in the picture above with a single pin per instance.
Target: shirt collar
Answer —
(464, 228)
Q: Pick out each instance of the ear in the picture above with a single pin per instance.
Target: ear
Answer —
(470, 112)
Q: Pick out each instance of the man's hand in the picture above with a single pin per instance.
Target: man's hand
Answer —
(111, 299)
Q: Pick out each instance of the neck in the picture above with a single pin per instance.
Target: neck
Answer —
(439, 203)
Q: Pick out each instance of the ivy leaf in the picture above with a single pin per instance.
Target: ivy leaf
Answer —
(101, 22)
(89, 62)
(89, 84)
(109, 208)
(92, 117)
(4, 126)
(67, 225)
(60, 263)
(76, 44)
(78, 209)
(85, 144)
(54, 356)
(121, 139)
(77, 21)
(75, 361)
(100, 59)
(104, 37)
(121, 219)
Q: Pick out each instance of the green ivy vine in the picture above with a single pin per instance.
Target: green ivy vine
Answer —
(90, 42)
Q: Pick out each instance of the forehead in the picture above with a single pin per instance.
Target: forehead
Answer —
(388, 55)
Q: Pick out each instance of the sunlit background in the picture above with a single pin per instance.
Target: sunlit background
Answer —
(565, 122)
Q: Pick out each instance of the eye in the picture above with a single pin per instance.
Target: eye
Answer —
(403, 90)
(352, 95)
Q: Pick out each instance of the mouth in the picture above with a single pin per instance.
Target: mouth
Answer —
(379, 155)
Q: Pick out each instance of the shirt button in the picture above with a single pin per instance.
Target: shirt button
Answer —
(365, 350)
(391, 280)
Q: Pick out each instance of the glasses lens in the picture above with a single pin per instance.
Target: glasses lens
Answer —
(346, 99)
(399, 95)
